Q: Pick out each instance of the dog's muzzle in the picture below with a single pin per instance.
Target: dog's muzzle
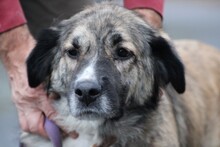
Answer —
(95, 91)
(90, 99)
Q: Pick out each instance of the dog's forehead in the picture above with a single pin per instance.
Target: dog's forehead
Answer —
(102, 21)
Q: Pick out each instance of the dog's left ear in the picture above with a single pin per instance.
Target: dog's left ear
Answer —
(169, 66)
(40, 59)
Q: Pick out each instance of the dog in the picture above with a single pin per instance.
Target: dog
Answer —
(122, 84)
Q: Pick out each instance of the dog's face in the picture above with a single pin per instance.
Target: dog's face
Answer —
(103, 60)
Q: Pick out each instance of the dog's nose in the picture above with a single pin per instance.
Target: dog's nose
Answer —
(87, 91)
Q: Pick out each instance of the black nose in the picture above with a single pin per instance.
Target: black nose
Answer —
(87, 91)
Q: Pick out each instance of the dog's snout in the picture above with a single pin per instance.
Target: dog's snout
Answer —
(87, 92)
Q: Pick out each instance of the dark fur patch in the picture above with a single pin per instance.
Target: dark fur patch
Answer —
(40, 60)
(167, 65)
(116, 38)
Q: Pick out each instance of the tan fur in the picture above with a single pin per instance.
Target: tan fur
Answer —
(202, 95)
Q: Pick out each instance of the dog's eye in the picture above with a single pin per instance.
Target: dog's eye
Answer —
(123, 54)
(73, 53)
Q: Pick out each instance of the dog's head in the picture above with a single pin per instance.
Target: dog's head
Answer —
(103, 60)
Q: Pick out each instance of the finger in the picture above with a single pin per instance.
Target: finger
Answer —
(41, 129)
(32, 122)
(23, 121)
(74, 134)
(48, 109)
(35, 121)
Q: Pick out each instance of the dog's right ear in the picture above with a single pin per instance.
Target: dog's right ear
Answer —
(40, 59)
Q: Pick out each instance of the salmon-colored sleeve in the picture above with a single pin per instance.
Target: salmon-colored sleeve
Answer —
(11, 15)
(156, 5)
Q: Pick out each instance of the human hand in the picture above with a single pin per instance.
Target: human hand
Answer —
(150, 16)
(31, 103)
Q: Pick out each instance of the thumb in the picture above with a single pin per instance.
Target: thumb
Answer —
(47, 108)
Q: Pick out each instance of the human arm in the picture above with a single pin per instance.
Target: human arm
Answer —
(16, 43)
(30, 103)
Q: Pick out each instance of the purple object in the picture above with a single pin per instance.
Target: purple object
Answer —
(53, 133)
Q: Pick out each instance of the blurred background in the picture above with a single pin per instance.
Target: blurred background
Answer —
(191, 19)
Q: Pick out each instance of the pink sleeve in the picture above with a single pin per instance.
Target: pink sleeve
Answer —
(11, 15)
(156, 5)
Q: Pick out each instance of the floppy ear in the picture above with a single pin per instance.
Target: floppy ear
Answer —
(169, 65)
(40, 59)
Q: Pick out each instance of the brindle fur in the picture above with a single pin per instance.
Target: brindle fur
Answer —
(140, 104)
